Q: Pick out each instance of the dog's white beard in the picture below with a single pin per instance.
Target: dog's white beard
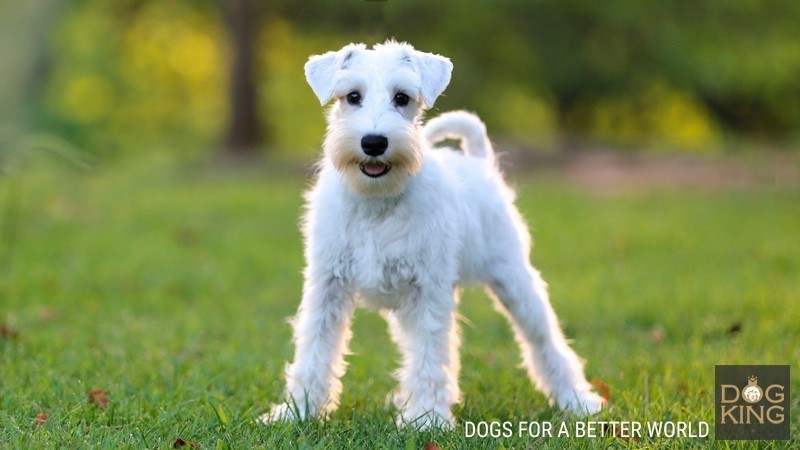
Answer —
(405, 155)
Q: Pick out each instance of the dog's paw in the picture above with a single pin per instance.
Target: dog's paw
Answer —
(394, 399)
(582, 403)
(281, 413)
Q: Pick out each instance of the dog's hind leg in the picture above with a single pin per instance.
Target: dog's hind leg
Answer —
(553, 366)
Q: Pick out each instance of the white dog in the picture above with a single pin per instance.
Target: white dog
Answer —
(396, 225)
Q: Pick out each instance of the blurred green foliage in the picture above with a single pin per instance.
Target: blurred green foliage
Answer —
(152, 75)
(122, 76)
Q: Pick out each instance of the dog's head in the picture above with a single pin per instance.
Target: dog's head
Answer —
(373, 135)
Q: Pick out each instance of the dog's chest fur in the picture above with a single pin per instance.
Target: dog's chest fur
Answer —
(385, 248)
(385, 255)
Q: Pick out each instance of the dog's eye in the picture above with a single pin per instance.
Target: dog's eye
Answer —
(400, 99)
(354, 98)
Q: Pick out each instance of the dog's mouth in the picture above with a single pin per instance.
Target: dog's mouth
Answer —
(375, 169)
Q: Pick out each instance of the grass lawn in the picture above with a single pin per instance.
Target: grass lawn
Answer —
(165, 291)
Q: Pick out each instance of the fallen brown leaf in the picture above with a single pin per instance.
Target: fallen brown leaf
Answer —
(604, 392)
(99, 398)
(9, 333)
(658, 334)
(41, 419)
(180, 443)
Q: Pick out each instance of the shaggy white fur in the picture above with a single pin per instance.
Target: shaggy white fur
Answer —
(397, 225)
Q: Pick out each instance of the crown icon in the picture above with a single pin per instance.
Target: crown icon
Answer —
(752, 380)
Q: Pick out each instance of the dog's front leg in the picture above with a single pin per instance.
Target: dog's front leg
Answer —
(425, 330)
(321, 334)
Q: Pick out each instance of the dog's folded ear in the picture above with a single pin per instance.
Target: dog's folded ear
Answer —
(321, 70)
(434, 72)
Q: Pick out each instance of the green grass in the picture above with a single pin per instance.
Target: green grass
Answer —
(170, 288)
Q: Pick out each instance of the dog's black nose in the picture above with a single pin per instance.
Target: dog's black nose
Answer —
(374, 145)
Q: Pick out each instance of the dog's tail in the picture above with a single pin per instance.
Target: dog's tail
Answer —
(464, 126)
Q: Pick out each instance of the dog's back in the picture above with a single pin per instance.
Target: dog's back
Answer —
(487, 216)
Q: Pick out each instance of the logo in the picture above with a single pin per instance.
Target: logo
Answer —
(752, 393)
(752, 402)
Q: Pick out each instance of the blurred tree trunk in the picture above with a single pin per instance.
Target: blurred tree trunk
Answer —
(244, 131)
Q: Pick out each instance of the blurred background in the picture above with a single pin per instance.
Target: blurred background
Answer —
(201, 77)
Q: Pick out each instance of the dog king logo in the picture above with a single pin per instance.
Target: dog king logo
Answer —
(752, 402)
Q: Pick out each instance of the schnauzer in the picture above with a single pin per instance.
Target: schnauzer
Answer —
(397, 225)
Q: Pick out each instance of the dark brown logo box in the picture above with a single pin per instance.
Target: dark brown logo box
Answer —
(752, 402)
